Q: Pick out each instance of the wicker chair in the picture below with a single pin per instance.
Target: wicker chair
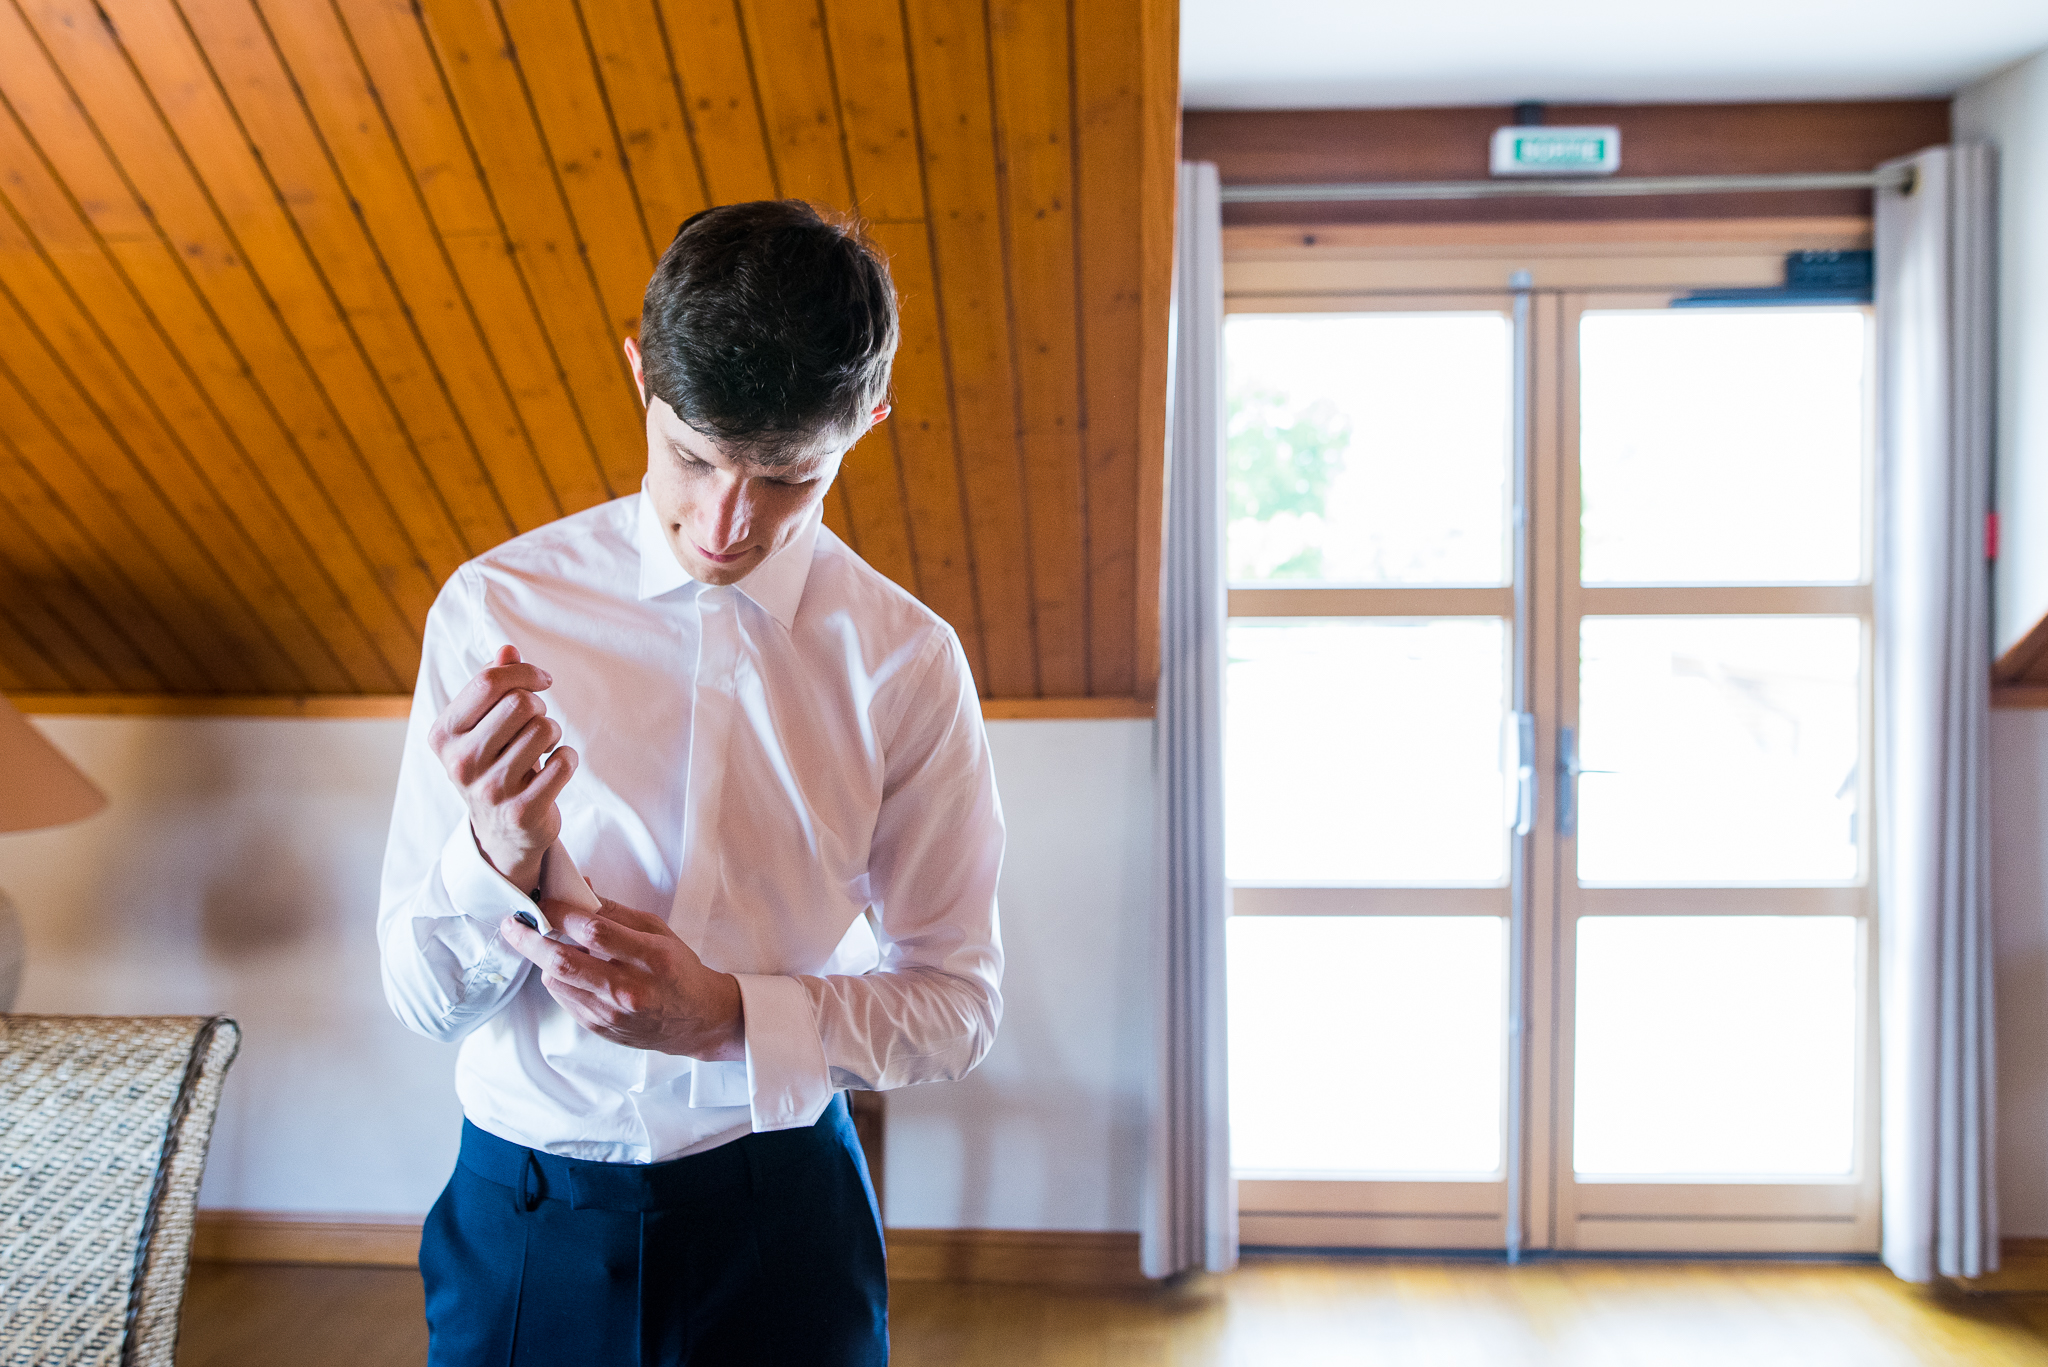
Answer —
(104, 1122)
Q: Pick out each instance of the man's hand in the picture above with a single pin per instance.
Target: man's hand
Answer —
(490, 738)
(630, 979)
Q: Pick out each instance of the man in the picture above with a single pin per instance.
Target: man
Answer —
(768, 762)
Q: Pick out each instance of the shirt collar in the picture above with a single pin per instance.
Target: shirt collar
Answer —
(776, 584)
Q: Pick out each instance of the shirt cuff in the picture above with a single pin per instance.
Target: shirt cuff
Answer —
(788, 1086)
(476, 889)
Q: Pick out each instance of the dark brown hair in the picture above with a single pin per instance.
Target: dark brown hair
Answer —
(770, 328)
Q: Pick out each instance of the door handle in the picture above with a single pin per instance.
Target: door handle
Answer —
(1525, 772)
(1568, 771)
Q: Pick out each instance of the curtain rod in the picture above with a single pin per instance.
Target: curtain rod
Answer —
(1898, 177)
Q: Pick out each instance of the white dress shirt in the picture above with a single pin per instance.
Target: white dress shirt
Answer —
(792, 768)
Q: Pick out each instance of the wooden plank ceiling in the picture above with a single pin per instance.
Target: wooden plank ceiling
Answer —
(306, 302)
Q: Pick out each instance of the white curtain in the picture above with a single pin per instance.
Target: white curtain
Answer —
(1191, 1204)
(1934, 306)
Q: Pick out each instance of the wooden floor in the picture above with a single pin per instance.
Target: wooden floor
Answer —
(1274, 1312)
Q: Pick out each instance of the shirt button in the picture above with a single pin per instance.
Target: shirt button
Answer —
(495, 978)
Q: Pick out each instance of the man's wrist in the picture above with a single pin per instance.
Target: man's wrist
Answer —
(524, 873)
(720, 1043)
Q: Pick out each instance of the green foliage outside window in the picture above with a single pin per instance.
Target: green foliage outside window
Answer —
(1281, 459)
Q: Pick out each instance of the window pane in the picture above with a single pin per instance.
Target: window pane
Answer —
(1731, 745)
(1366, 750)
(1722, 446)
(1369, 449)
(1716, 1046)
(1366, 1045)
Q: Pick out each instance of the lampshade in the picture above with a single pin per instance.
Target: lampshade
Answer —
(38, 786)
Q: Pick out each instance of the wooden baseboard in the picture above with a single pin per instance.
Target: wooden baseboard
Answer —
(260, 1236)
(989, 1257)
(2019, 695)
(1016, 1257)
(2022, 1271)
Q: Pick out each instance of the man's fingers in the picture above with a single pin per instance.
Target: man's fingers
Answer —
(564, 963)
(470, 756)
(546, 786)
(608, 940)
(482, 693)
(615, 939)
(516, 764)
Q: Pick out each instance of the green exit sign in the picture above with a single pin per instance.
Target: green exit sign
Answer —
(1541, 151)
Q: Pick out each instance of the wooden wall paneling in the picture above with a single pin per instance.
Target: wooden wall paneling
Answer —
(223, 595)
(607, 229)
(40, 472)
(589, 156)
(54, 263)
(150, 62)
(23, 667)
(869, 496)
(36, 643)
(307, 587)
(709, 55)
(48, 611)
(404, 78)
(631, 51)
(1109, 150)
(317, 300)
(838, 515)
(503, 474)
(1031, 48)
(799, 118)
(49, 548)
(878, 124)
(372, 565)
(877, 114)
(89, 428)
(924, 440)
(1311, 145)
(949, 63)
(332, 224)
(1159, 195)
(793, 76)
(102, 610)
(461, 511)
(53, 547)
(490, 96)
(2023, 660)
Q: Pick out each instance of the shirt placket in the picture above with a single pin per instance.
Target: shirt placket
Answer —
(713, 708)
(699, 872)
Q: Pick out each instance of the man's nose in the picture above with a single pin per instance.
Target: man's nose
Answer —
(731, 516)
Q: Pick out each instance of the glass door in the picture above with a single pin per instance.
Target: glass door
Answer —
(1367, 695)
(1681, 795)
(1712, 789)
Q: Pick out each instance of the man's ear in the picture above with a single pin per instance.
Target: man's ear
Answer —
(639, 375)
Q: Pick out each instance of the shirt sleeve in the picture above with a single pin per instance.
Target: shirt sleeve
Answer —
(929, 1010)
(446, 969)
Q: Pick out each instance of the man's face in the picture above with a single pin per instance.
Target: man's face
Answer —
(724, 515)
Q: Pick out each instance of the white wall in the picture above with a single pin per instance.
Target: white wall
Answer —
(2010, 111)
(236, 870)
(1049, 1132)
(2019, 913)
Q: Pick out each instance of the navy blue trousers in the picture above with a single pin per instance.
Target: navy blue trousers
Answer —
(766, 1251)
